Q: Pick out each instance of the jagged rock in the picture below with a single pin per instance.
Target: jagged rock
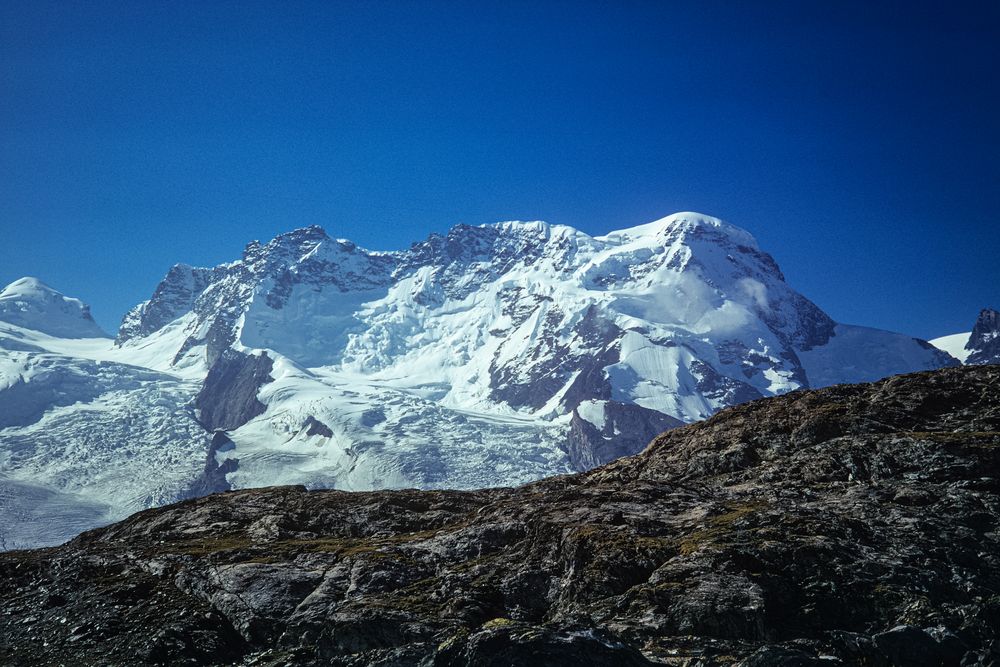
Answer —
(780, 532)
(984, 343)
(505, 643)
(174, 296)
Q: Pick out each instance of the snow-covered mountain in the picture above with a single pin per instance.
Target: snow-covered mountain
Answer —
(979, 346)
(32, 304)
(490, 355)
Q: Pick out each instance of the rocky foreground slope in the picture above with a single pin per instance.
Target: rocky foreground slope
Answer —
(848, 525)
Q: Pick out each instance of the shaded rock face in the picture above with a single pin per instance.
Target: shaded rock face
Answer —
(174, 296)
(314, 426)
(213, 477)
(228, 397)
(854, 525)
(626, 430)
(985, 339)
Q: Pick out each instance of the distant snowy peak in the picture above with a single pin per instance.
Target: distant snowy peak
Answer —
(980, 346)
(31, 304)
(687, 224)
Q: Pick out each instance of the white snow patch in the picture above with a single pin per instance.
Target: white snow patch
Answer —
(954, 345)
(593, 412)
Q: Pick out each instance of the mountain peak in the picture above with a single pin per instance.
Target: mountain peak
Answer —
(303, 234)
(987, 328)
(28, 286)
(984, 342)
(687, 225)
(30, 303)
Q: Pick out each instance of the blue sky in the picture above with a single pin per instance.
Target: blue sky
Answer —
(857, 141)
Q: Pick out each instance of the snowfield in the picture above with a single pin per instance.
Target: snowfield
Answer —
(954, 345)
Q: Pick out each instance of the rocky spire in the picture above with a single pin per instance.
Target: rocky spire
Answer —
(985, 339)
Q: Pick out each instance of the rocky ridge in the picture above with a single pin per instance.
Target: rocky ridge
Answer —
(984, 342)
(847, 525)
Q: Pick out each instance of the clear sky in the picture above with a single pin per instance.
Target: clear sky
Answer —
(858, 142)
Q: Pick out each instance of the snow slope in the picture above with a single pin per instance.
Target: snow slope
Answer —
(954, 345)
(860, 354)
(459, 362)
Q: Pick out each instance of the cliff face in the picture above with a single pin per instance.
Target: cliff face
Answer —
(858, 523)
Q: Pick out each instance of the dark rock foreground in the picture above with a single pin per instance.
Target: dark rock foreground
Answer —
(850, 525)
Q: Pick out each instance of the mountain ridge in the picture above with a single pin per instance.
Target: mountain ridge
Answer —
(244, 301)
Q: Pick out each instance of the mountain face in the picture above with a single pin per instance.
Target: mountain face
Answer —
(853, 525)
(684, 316)
(980, 346)
(488, 356)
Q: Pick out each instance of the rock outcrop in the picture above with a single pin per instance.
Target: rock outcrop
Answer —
(228, 398)
(984, 343)
(213, 477)
(849, 525)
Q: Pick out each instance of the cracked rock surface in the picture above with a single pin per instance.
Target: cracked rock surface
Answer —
(856, 524)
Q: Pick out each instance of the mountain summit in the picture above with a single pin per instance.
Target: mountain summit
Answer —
(31, 304)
